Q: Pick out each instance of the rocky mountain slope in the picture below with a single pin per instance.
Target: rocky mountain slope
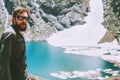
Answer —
(111, 20)
(47, 16)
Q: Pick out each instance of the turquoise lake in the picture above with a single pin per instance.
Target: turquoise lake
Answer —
(43, 59)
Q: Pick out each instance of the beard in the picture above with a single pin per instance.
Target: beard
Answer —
(20, 27)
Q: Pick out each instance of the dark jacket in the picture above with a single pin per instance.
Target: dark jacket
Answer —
(12, 56)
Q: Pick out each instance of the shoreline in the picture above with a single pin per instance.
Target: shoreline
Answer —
(33, 77)
(117, 77)
(111, 55)
(112, 58)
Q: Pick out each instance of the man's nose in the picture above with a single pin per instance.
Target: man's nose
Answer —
(24, 20)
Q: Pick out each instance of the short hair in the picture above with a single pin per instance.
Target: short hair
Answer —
(19, 10)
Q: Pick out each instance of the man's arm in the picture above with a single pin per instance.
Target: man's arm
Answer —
(6, 51)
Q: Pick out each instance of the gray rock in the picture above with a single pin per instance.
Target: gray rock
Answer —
(33, 77)
(52, 15)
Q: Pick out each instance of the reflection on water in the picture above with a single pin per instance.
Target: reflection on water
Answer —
(44, 59)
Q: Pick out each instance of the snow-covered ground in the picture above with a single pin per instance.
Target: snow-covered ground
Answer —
(91, 74)
(83, 39)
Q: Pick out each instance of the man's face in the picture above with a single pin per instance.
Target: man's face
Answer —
(20, 22)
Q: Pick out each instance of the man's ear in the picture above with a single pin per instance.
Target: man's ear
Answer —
(13, 20)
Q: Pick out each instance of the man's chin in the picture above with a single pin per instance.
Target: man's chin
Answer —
(22, 29)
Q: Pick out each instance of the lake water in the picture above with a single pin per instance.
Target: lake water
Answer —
(43, 59)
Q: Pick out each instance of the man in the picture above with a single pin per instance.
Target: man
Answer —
(12, 51)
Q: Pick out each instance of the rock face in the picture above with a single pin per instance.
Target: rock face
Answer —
(111, 14)
(111, 20)
(33, 77)
(117, 77)
(47, 16)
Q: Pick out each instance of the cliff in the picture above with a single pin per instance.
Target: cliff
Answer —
(111, 20)
(47, 16)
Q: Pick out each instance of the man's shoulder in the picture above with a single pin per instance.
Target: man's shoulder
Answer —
(9, 33)
(10, 30)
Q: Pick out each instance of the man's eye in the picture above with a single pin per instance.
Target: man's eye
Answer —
(22, 18)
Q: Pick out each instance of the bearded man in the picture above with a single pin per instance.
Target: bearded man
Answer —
(13, 50)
